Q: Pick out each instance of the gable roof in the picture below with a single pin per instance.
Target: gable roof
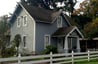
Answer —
(41, 13)
(44, 15)
(65, 31)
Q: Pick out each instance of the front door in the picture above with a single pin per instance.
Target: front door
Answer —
(72, 44)
(61, 44)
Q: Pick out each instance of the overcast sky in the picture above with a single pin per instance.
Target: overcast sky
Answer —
(8, 6)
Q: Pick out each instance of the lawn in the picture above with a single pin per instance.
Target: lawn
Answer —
(86, 62)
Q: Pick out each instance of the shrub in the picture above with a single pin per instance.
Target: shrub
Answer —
(10, 51)
(49, 49)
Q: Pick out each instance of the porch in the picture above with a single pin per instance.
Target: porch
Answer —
(68, 44)
(91, 45)
(68, 39)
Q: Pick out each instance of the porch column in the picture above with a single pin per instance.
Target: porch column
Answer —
(66, 45)
(78, 45)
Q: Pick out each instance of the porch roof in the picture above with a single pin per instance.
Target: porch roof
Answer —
(67, 31)
(62, 31)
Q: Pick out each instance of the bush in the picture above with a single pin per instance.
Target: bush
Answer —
(49, 49)
(10, 52)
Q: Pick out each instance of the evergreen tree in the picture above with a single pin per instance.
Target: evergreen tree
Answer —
(68, 5)
(4, 26)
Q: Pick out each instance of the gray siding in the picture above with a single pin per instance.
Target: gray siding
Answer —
(75, 33)
(27, 31)
(44, 28)
(34, 32)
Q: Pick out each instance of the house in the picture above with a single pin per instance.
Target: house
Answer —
(40, 27)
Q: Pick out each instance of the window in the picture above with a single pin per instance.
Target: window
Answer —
(18, 22)
(24, 41)
(47, 40)
(72, 43)
(24, 20)
(59, 22)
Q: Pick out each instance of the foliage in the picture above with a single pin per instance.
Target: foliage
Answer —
(68, 5)
(49, 49)
(10, 51)
(88, 8)
(17, 40)
(80, 21)
(91, 29)
(4, 26)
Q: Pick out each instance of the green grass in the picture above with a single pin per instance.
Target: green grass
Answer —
(86, 62)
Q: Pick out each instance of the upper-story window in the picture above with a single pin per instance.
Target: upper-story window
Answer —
(18, 22)
(24, 20)
(59, 22)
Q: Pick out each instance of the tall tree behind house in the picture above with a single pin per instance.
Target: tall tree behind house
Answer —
(68, 5)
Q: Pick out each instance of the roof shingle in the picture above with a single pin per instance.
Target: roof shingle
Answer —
(41, 13)
(62, 31)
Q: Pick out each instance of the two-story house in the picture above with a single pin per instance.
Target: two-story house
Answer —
(40, 27)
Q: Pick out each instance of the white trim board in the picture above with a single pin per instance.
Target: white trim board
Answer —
(75, 28)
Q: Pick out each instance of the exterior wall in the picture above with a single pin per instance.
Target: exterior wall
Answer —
(44, 28)
(75, 33)
(34, 32)
(27, 31)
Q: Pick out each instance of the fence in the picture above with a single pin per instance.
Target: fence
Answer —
(53, 58)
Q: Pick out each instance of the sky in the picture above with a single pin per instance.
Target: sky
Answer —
(8, 6)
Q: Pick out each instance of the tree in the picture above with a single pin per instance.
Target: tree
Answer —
(68, 5)
(88, 8)
(81, 20)
(16, 42)
(91, 29)
(4, 26)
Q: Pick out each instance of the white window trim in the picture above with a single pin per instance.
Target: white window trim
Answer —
(18, 22)
(59, 20)
(26, 20)
(45, 40)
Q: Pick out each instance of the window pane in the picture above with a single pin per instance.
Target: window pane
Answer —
(18, 22)
(59, 22)
(47, 40)
(24, 41)
(25, 20)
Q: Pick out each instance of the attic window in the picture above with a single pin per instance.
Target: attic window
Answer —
(24, 20)
(18, 22)
(59, 22)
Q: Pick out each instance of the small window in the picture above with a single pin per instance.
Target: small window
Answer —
(24, 41)
(18, 22)
(47, 40)
(59, 22)
(24, 20)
